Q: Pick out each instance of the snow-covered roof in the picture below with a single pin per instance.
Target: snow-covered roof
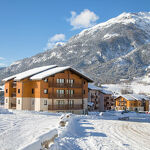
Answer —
(29, 73)
(140, 97)
(93, 87)
(128, 97)
(134, 97)
(47, 73)
(56, 70)
(90, 104)
(106, 91)
(9, 78)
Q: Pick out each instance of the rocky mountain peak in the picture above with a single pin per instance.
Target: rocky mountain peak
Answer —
(107, 52)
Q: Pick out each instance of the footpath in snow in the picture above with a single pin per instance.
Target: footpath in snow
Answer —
(105, 132)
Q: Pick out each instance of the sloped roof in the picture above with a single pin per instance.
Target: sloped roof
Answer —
(29, 73)
(9, 78)
(93, 87)
(140, 97)
(134, 97)
(56, 70)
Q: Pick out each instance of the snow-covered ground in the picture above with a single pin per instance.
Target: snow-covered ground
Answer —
(105, 132)
(138, 88)
(138, 85)
(22, 128)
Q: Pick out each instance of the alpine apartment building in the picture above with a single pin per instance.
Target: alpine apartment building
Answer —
(101, 99)
(132, 102)
(48, 88)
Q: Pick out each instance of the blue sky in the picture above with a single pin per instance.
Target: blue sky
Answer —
(28, 27)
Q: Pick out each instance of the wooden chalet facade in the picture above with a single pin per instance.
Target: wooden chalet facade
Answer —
(48, 89)
(132, 102)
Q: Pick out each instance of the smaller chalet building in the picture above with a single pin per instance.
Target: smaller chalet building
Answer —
(132, 102)
(48, 88)
(101, 99)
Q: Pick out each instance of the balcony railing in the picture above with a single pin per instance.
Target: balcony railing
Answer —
(14, 84)
(13, 106)
(67, 85)
(65, 96)
(65, 107)
(94, 96)
(13, 95)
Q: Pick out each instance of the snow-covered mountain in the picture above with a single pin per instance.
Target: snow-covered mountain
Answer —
(110, 51)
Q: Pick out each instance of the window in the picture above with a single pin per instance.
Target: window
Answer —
(18, 90)
(6, 100)
(60, 91)
(60, 80)
(6, 90)
(83, 91)
(32, 102)
(18, 101)
(70, 81)
(71, 103)
(45, 91)
(46, 80)
(45, 102)
(84, 82)
(60, 102)
(32, 91)
(71, 92)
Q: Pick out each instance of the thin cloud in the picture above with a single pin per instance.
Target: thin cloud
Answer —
(2, 65)
(57, 38)
(1, 58)
(85, 19)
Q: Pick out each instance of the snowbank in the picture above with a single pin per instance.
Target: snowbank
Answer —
(95, 132)
(4, 111)
(38, 143)
(27, 130)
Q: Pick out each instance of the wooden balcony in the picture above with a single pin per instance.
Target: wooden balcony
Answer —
(65, 107)
(64, 85)
(13, 106)
(14, 84)
(13, 95)
(94, 96)
(65, 96)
